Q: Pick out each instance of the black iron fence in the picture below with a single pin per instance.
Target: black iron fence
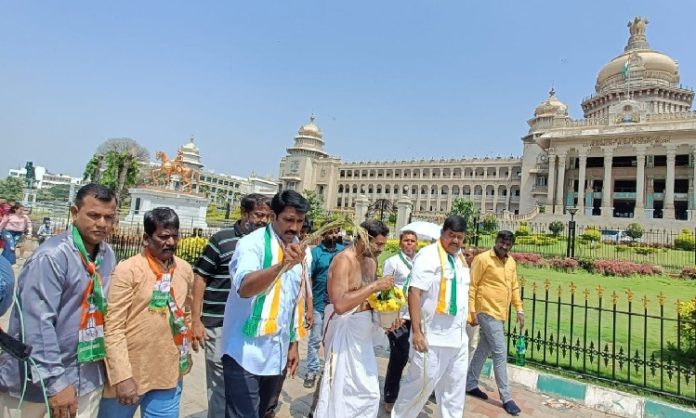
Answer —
(621, 339)
(672, 250)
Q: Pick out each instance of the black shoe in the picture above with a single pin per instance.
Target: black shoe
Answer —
(309, 381)
(477, 393)
(432, 398)
(511, 408)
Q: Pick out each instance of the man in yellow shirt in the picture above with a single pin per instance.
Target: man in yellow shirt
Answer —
(493, 287)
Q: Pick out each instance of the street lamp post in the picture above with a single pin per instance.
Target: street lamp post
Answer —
(570, 249)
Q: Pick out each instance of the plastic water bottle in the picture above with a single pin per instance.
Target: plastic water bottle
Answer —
(521, 350)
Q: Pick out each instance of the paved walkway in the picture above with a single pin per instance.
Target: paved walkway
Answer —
(296, 400)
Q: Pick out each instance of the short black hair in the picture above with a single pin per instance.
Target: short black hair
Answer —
(97, 191)
(505, 235)
(289, 198)
(407, 232)
(46, 219)
(375, 228)
(164, 217)
(252, 200)
(454, 223)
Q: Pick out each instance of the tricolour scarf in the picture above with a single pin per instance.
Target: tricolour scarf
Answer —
(442, 305)
(90, 340)
(263, 319)
(163, 301)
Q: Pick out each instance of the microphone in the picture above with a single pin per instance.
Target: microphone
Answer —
(16, 348)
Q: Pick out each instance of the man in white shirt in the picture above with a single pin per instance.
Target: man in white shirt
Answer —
(438, 306)
(264, 309)
(399, 266)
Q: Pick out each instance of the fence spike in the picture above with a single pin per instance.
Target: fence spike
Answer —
(587, 294)
(573, 288)
(559, 290)
(600, 291)
(661, 297)
(614, 297)
(547, 284)
(646, 301)
(629, 295)
(522, 281)
(534, 288)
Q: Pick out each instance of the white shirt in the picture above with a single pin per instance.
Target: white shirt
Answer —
(395, 266)
(264, 355)
(441, 330)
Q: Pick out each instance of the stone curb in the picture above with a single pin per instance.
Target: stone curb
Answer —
(595, 397)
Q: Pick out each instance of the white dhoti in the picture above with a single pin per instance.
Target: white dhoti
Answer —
(350, 384)
(444, 372)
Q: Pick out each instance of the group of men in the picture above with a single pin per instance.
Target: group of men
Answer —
(107, 339)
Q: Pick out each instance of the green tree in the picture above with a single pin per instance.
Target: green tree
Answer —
(116, 164)
(316, 207)
(556, 227)
(11, 188)
(57, 193)
(489, 223)
(635, 231)
(466, 209)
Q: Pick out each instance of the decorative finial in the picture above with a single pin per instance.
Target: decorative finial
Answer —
(636, 28)
(312, 117)
(552, 92)
(192, 138)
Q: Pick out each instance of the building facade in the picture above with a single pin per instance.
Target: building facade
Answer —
(45, 179)
(631, 157)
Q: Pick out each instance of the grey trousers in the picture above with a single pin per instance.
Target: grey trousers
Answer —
(491, 341)
(215, 380)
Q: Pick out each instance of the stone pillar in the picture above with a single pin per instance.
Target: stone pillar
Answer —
(581, 183)
(639, 210)
(560, 184)
(650, 200)
(507, 200)
(403, 212)
(551, 183)
(495, 199)
(418, 198)
(361, 205)
(669, 185)
(692, 200)
(607, 207)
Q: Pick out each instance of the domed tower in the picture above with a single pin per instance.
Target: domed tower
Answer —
(307, 166)
(643, 75)
(551, 112)
(191, 155)
(309, 141)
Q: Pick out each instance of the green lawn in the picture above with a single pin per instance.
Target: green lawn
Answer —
(625, 339)
(669, 259)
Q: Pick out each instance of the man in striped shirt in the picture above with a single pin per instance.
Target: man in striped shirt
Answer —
(211, 288)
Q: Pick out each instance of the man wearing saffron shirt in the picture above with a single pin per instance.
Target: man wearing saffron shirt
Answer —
(148, 339)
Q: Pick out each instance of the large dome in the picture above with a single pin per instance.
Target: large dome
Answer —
(639, 63)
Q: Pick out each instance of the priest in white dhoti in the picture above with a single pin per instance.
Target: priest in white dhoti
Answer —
(349, 386)
(438, 305)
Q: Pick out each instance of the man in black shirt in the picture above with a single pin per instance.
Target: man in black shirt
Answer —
(210, 290)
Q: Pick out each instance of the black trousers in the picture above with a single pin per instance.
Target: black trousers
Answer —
(399, 346)
(248, 395)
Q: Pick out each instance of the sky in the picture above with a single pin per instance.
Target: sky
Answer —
(386, 79)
